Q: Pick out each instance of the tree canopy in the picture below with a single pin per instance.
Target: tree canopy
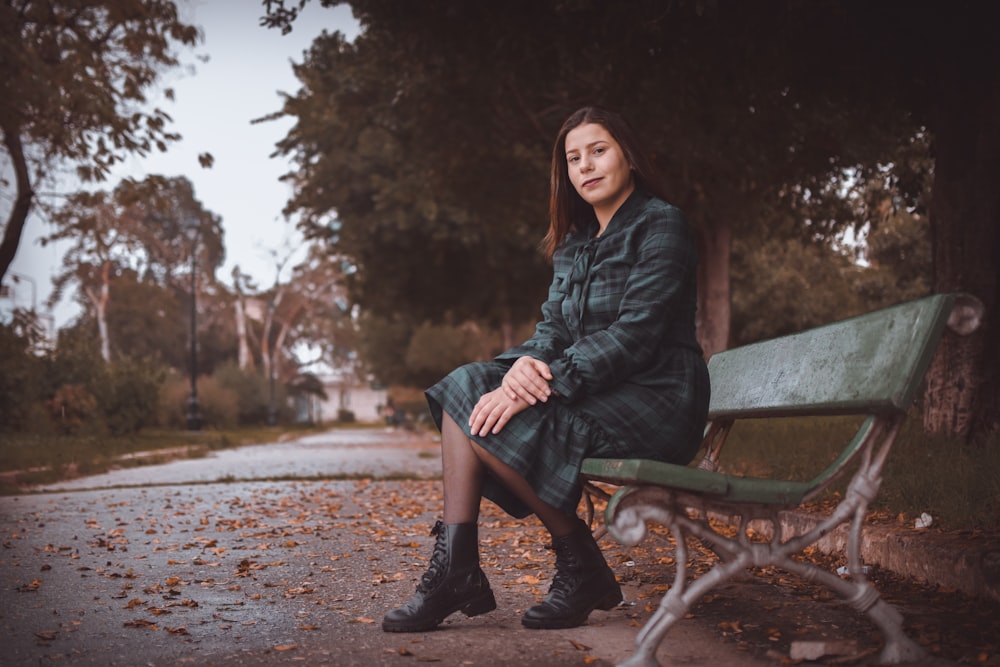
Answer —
(74, 84)
(136, 230)
(422, 147)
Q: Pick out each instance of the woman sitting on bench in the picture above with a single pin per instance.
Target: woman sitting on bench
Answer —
(613, 370)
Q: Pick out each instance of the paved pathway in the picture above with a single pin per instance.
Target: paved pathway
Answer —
(339, 453)
(226, 561)
(142, 566)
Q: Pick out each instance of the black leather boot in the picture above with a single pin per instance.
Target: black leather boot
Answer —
(453, 582)
(583, 582)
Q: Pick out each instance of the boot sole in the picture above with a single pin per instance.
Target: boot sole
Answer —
(482, 604)
(606, 603)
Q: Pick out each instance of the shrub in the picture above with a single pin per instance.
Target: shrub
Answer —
(73, 410)
(251, 390)
(218, 406)
(128, 395)
(345, 416)
(19, 379)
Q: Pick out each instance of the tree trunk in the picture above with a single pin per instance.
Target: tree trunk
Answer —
(714, 306)
(963, 383)
(279, 341)
(22, 202)
(245, 359)
(100, 302)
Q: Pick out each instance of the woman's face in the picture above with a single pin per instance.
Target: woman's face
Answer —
(598, 169)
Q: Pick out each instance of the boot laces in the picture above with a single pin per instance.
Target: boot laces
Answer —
(568, 568)
(439, 561)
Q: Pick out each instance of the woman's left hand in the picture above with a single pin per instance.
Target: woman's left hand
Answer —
(493, 411)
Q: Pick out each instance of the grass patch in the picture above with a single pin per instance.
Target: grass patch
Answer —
(36, 459)
(957, 484)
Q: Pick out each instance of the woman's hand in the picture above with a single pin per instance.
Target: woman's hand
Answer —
(493, 411)
(528, 380)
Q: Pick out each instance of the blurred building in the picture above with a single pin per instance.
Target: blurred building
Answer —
(346, 396)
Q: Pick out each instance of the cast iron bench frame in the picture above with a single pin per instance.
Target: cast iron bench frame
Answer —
(871, 366)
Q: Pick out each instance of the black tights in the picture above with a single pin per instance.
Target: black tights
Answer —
(466, 465)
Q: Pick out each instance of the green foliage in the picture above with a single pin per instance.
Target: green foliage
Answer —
(434, 350)
(899, 251)
(128, 259)
(218, 405)
(73, 411)
(745, 133)
(88, 114)
(71, 390)
(781, 286)
(383, 344)
(146, 321)
(251, 391)
(397, 352)
(83, 394)
(21, 371)
(128, 395)
(77, 358)
(957, 484)
(46, 458)
(74, 80)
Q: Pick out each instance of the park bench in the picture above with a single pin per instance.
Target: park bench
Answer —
(870, 366)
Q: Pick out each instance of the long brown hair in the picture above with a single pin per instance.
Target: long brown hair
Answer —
(567, 210)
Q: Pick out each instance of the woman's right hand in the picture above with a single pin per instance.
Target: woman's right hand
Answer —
(528, 379)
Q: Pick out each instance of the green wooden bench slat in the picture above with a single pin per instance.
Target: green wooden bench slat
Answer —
(734, 489)
(863, 365)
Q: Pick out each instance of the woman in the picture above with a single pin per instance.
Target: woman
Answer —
(613, 370)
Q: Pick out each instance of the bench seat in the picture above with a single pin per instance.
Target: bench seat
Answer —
(715, 486)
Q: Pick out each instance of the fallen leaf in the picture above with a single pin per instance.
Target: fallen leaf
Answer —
(285, 647)
(33, 586)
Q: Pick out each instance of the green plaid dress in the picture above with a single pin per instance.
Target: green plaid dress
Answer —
(618, 333)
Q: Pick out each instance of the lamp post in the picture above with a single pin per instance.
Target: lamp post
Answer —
(191, 229)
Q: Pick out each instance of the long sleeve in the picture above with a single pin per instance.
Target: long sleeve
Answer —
(620, 304)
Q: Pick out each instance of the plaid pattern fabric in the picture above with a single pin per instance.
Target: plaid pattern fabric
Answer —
(618, 334)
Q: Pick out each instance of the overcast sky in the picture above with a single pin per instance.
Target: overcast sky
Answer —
(246, 70)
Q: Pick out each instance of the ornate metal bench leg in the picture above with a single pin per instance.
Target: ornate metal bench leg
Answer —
(898, 647)
(678, 600)
(865, 598)
(591, 491)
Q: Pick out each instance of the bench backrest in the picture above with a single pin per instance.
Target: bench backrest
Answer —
(869, 364)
